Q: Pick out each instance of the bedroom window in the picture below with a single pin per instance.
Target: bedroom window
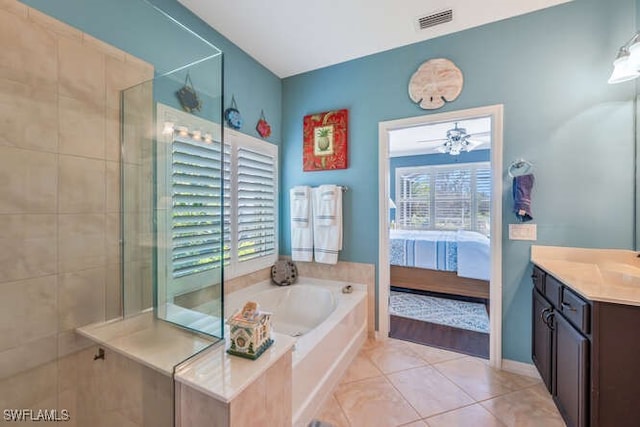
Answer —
(444, 197)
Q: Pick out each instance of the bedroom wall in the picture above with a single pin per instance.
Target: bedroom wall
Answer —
(549, 70)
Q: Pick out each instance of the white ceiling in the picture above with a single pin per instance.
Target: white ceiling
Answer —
(426, 139)
(294, 36)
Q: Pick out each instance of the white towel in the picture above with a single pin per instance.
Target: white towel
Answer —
(327, 223)
(301, 224)
(300, 206)
(325, 212)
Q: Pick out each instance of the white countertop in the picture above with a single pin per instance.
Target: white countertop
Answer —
(607, 275)
(224, 376)
(154, 343)
(163, 347)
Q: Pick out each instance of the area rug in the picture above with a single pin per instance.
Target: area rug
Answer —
(458, 314)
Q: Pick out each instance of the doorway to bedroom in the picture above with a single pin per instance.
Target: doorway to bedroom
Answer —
(439, 274)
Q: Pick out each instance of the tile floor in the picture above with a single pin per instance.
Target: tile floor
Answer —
(398, 383)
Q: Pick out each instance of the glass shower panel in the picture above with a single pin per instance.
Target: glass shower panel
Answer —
(173, 227)
(137, 166)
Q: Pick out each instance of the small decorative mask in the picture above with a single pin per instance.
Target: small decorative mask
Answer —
(232, 115)
(188, 97)
(263, 127)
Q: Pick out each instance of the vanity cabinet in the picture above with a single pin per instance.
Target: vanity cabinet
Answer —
(541, 347)
(587, 353)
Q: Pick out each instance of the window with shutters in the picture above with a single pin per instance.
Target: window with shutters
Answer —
(444, 197)
(217, 204)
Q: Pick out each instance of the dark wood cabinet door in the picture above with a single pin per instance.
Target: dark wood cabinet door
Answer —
(570, 372)
(541, 345)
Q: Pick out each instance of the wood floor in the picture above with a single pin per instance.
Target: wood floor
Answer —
(446, 337)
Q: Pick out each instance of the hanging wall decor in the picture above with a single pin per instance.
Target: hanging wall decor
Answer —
(436, 82)
(325, 141)
(232, 115)
(188, 97)
(263, 127)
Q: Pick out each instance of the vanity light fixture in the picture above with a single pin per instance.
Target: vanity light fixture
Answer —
(626, 66)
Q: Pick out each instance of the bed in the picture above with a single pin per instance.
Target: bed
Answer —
(451, 262)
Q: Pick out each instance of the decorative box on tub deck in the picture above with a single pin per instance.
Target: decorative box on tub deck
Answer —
(249, 332)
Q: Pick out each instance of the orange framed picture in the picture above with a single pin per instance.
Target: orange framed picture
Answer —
(325, 141)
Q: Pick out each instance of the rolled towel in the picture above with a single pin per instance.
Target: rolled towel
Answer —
(522, 186)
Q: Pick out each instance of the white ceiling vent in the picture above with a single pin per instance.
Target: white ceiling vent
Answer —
(434, 19)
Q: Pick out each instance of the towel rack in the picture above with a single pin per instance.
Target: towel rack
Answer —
(343, 188)
(519, 164)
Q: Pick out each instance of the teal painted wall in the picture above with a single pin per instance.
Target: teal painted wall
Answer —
(549, 69)
(134, 26)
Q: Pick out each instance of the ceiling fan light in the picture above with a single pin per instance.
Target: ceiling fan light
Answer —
(622, 70)
(634, 53)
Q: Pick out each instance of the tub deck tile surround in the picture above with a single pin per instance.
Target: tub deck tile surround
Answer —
(437, 388)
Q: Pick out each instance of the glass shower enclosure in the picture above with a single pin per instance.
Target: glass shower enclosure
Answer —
(172, 205)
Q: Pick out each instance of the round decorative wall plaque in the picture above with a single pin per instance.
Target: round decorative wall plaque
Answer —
(436, 82)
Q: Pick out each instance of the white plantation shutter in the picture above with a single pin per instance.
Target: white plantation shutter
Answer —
(444, 197)
(483, 199)
(227, 198)
(196, 224)
(256, 204)
(453, 198)
(413, 206)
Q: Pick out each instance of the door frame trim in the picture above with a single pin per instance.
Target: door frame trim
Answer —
(495, 288)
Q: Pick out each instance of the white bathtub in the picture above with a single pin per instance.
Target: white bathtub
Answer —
(330, 327)
(296, 309)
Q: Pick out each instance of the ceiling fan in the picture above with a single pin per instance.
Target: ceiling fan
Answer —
(456, 141)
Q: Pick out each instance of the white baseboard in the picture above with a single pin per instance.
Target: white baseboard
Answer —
(526, 369)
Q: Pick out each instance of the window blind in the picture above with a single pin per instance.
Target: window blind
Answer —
(444, 197)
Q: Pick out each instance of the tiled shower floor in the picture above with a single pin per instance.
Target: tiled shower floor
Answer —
(398, 383)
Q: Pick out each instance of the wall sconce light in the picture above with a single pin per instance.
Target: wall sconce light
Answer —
(626, 66)
(168, 128)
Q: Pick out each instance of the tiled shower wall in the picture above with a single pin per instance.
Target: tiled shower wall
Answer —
(59, 195)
